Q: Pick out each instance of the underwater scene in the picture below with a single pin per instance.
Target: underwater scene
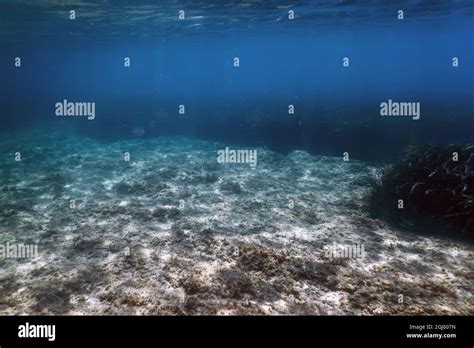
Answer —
(248, 157)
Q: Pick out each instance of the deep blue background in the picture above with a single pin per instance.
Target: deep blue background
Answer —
(282, 63)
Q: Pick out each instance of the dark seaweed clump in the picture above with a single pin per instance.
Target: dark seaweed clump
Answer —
(437, 190)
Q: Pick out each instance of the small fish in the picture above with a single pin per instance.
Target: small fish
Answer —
(445, 166)
(435, 172)
(406, 223)
(138, 132)
(413, 188)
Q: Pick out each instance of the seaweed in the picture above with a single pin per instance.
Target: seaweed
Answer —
(436, 186)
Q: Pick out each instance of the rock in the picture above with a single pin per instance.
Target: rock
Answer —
(129, 188)
(231, 187)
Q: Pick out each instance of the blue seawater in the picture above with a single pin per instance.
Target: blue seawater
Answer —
(283, 62)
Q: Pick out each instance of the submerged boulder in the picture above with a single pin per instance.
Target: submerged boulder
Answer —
(430, 187)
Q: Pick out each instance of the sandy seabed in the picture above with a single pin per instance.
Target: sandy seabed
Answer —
(174, 232)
